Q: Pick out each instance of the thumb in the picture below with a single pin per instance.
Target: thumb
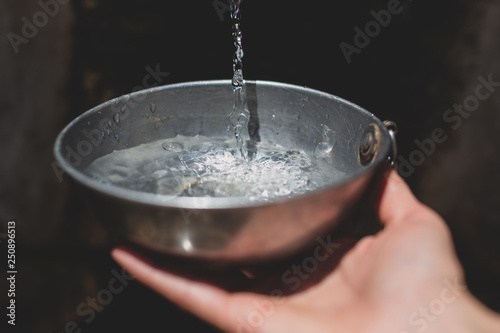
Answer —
(397, 204)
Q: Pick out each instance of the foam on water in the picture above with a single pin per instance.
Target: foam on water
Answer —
(212, 167)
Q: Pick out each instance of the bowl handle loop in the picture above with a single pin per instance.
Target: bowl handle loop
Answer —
(393, 130)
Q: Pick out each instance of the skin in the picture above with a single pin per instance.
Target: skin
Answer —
(404, 279)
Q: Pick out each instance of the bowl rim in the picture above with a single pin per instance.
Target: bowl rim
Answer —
(202, 203)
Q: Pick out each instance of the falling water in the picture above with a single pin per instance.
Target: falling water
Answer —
(205, 166)
(239, 115)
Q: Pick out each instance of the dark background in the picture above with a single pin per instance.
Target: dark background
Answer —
(427, 59)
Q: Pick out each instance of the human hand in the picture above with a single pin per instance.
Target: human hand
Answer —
(406, 278)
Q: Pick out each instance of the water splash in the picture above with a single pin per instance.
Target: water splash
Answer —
(201, 166)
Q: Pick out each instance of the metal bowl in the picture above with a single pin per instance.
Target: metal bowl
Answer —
(226, 229)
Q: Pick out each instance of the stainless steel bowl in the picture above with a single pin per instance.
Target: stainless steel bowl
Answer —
(226, 229)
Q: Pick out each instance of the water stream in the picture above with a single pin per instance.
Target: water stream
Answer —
(213, 167)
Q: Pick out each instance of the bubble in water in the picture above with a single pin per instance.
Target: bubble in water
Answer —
(152, 108)
(118, 173)
(173, 146)
(169, 186)
(116, 118)
(160, 173)
(123, 108)
(116, 137)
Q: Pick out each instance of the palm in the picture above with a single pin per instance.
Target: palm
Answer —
(374, 288)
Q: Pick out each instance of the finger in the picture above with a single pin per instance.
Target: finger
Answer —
(205, 301)
(398, 204)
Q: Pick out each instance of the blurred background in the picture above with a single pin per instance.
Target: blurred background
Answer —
(59, 58)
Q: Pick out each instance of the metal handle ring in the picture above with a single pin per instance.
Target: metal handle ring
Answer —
(393, 130)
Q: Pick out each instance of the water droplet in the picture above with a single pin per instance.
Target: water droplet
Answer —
(174, 146)
(328, 134)
(116, 118)
(323, 149)
(152, 108)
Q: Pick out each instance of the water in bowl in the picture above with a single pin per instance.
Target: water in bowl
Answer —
(212, 167)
